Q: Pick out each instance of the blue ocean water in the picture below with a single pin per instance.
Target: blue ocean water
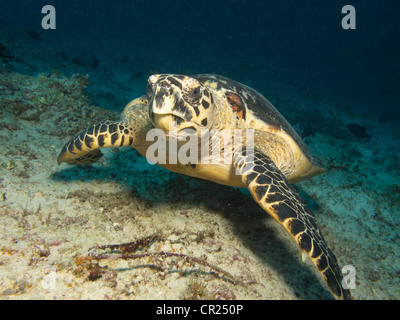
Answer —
(346, 80)
(260, 43)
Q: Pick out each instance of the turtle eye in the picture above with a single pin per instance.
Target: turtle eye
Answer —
(195, 94)
(149, 89)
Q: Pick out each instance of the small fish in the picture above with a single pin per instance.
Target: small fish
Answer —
(33, 34)
(124, 59)
(138, 74)
(3, 54)
(360, 132)
(308, 132)
(95, 63)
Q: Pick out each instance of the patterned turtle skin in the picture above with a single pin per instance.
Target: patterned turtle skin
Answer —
(212, 106)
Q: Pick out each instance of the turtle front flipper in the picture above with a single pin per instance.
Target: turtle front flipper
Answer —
(84, 148)
(275, 195)
(131, 132)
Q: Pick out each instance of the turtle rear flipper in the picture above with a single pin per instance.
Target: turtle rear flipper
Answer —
(271, 190)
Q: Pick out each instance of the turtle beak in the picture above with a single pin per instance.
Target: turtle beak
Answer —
(164, 121)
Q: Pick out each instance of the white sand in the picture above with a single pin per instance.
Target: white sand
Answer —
(51, 215)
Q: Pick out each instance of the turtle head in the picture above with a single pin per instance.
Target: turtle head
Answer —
(178, 102)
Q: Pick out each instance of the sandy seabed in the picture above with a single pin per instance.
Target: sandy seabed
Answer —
(218, 243)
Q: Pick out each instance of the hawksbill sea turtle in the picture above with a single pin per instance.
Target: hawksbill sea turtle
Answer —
(266, 163)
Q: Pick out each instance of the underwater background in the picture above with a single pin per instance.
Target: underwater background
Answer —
(339, 88)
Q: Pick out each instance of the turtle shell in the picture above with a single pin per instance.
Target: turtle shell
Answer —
(250, 104)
